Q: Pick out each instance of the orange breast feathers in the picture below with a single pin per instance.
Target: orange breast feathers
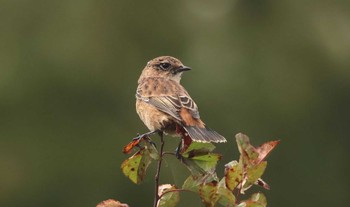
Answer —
(188, 119)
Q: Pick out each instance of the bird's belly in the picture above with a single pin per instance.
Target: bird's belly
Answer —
(155, 119)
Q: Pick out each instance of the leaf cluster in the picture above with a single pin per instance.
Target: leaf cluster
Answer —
(199, 158)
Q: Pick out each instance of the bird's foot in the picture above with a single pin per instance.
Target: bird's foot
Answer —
(136, 141)
(177, 151)
(146, 137)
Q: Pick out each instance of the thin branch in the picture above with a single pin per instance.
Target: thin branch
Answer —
(156, 178)
(168, 153)
(238, 192)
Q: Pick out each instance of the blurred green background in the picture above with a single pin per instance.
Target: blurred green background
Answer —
(270, 69)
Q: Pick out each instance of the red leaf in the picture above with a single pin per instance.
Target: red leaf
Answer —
(266, 148)
(186, 139)
(250, 153)
(263, 184)
(127, 148)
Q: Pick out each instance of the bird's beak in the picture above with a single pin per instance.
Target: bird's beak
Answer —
(182, 68)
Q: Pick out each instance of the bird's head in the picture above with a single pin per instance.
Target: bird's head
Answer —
(165, 67)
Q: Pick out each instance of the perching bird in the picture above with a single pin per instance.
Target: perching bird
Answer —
(164, 105)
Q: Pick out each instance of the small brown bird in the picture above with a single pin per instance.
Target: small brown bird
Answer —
(164, 105)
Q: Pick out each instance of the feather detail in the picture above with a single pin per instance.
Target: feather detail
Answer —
(204, 135)
(188, 119)
(167, 96)
(172, 103)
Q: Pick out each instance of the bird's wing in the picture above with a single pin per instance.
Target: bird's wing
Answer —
(171, 98)
(171, 102)
(190, 105)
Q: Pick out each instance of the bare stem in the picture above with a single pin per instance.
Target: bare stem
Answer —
(156, 178)
(169, 153)
(238, 193)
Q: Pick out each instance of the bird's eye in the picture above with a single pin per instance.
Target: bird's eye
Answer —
(164, 66)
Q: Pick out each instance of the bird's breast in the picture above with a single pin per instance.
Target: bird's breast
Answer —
(152, 117)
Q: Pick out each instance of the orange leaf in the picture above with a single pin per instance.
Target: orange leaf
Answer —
(131, 145)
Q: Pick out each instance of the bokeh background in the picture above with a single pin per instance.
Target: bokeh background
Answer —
(270, 69)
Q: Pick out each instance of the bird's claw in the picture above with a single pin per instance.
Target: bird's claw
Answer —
(177, 153)
(138, 137)
(144, 136)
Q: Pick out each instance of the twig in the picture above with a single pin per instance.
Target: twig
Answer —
(156, 178)
(168, 153)
(238, 192)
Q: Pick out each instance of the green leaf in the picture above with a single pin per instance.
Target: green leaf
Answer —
(202, 164)
(199, 159)
(208, 193)
(205, 186)
(192, 183)
(255, 172)
(130, 167)
(135, 167)
(209, 190)
(260, 198)
(206, 163)
(250, 154)
(151, 150)
(245, 148)
(256, 200)
(226, 197)
(168, 198)
(233, 174)
(198, 148)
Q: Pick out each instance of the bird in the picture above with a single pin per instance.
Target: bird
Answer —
(165, 106)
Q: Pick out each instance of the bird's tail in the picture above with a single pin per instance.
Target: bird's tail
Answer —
(204, 135)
